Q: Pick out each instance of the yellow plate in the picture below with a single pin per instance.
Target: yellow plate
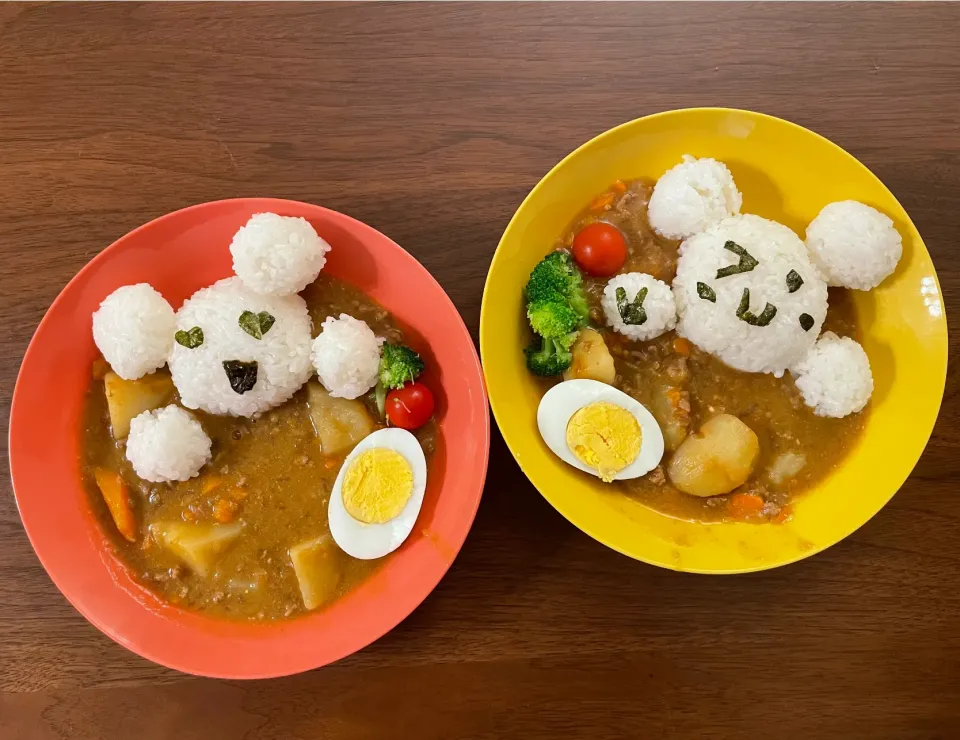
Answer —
(788, 174)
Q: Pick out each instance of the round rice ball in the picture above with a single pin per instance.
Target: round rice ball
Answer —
(346, 356)
(691, 197)
(167, 444)
(278, 255)
(658, 306)
(240, 353)
(853, 245)
(747, 293)
(133, 329)
(834, 376)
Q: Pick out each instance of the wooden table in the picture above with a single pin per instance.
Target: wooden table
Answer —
(431, 123)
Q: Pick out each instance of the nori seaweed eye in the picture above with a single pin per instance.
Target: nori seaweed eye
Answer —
(746, 264)
(242, 375)
(632, 313)
(189, 339)
(706, 292)
(794, 281)
(744, 314)
(806, 321)
(256, 324)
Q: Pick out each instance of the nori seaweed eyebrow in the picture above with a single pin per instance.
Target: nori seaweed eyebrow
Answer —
(746, 264)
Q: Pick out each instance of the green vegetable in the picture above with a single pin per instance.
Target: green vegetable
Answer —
(550, 356)
(552, 318)
(256, 324)
(706, 292)
(399, 365)
(806, 321)
(746, 263)
(743, 311)
(632, 312)
(189, 339)
(556, 277)
(242, 375)
(794, 281)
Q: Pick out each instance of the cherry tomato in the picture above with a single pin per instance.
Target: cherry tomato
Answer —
(410, 407)
(600, 249)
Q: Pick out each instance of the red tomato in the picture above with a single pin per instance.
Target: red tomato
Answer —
(600, 249)
(410, 407)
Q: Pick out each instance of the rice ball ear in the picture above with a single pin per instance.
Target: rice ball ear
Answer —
(346, 356)
(692, 197)
(834, 376)
(133, 329)
(167, 444)
(639, 306)
(278, 255)
(853, 245)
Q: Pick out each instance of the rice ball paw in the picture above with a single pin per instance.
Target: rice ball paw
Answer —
(834, 376)
(692, 197)
(167, 444)
(747, 293)
(853, 245)
(639, 306)
(239, 353)
(346, 356)
(133, 329)
(278, 255)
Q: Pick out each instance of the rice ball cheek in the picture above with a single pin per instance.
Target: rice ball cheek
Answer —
(747, 293)
(219, 363)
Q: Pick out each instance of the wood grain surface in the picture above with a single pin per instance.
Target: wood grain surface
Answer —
(431, 123)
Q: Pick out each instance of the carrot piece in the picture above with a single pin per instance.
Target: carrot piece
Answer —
(743, 505)
(117, 497)
(330, 463)
(100, 368)
(620, 186)
(602, 201)
(682, 346)
(225, 510)
(211, 483)
(674, 395)
(783, 515)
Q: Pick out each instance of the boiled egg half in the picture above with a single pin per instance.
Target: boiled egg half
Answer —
(378, 494)
(600, 430)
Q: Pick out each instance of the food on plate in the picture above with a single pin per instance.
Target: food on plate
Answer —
(278, 255)
(233, 482)
(693, 196)
(834, 376)
(853, 245)
(639, 306)
(237, 352)
(600, 249)
(747, 293)
(166, 445)
(133, 329)
(346, 356)
(378, 494)
(669, 381)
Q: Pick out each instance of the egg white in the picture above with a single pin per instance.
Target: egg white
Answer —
(565, 399)
(371, 541)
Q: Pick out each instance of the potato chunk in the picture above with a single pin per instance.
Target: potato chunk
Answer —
(591, 359)
(197, 545)
(716, 459)
(317, 564)
(787, 465)
(671, 408)
(339, 422)
(127, 399)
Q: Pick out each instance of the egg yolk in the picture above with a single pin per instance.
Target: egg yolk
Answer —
(377, 486)
(605, 437)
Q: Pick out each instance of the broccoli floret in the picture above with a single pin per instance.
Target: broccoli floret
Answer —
(550, 356)
(399, 365)
(556, 274)
(551, 317)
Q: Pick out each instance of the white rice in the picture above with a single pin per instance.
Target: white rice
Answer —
(167, 444)
(715, 326)
(658, 305)
(278, 255)
(853, 245)
(346, 356)
(834, 376)
(133, 329)
(693, 196)
(282, 354)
